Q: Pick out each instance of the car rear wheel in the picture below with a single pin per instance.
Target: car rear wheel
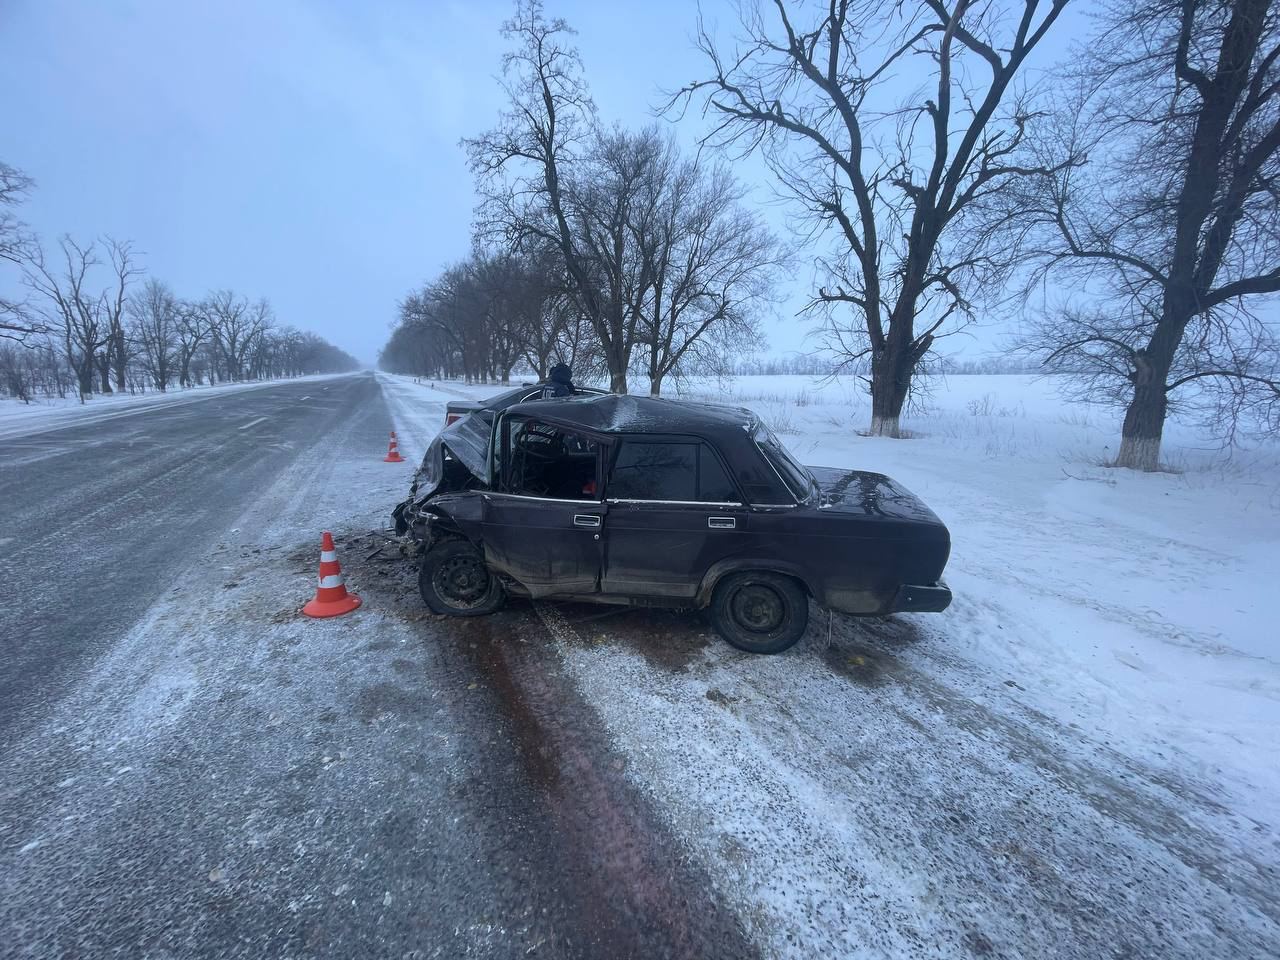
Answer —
(454, 581)
(760, 612)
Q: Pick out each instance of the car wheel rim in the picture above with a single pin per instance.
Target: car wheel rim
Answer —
(461, 581)
(757, 608)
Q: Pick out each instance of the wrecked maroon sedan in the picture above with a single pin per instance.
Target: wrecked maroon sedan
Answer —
(632, 500)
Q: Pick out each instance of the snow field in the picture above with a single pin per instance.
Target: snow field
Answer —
(1080, 756)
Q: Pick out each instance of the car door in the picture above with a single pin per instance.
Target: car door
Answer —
(673, 511)
(550, 544)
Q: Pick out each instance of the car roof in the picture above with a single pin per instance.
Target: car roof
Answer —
(622, 413)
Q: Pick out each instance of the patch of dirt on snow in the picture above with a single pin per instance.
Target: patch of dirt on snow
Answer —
(866, 650)
(669, 639)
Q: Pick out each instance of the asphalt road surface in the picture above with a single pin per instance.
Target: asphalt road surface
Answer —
(97, 516)
(192, 770)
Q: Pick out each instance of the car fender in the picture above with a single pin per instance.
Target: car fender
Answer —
(453, 515)
(722, 568)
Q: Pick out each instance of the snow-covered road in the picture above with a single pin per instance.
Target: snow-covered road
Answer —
(223, 778)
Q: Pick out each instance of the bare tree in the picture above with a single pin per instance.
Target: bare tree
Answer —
(69, 306)
(192, 329)
(524, 162)
(612, 202)
(124, 271)
(154, 316)
(544, 310)
(712, 267)
(261, 321)
(235, 326)
(1180, 254)
(17, 322)
(892, 178)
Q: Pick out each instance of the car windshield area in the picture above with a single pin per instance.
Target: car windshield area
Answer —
(543, 460)
(794, 474)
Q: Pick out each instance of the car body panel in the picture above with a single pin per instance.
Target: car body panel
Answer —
(545, 545)
(663, 549)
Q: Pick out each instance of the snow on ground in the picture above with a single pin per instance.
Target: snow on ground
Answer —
(1131, 604)
(1090, 729)
(1078, 759)
(47, 413)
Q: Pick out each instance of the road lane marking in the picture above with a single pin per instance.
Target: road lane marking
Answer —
(252, 423)
(307, 397)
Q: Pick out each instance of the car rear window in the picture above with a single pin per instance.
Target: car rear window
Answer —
(670, 470)
(797, 478)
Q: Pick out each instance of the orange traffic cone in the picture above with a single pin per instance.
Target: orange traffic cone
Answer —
(331, 597)
(393, 454)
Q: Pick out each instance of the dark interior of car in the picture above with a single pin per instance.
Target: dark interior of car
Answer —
(548, 462)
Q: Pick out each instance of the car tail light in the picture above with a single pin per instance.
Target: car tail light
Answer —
(451, 417)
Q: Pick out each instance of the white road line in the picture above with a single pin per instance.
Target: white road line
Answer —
(307, 397)
(252, 423)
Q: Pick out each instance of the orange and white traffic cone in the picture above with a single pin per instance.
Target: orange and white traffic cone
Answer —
(331, 599)
(393, 453)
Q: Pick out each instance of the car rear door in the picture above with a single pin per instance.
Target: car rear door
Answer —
(673, 511)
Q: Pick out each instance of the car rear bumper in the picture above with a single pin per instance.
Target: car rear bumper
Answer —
(921, 598)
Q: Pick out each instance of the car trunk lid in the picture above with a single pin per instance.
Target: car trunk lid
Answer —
(870, 495)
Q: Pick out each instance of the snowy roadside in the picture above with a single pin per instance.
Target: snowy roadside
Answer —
(1078, 758)
(855, 798)
(17, 418)
(1130, 606)
(1134, 607)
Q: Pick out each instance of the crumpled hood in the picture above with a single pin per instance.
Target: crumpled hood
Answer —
(871, 495)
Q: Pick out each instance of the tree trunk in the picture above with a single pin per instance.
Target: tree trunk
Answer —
(889, 385)
(104, 373)
(618, 381)
(118, 358)
(1143, 426)
(655, 385)
(84, 380)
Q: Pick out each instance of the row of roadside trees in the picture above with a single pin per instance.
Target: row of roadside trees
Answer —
(1121, 203)
(604, 248)
(88, 320)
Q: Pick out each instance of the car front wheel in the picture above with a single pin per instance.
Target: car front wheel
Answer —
(454, 581)
(760, 612)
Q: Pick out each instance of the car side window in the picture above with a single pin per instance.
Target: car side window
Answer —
(546, 461)
(714, 485)
(655, 471)
(670, 470)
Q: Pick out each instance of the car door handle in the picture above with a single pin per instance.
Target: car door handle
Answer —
(586, 520)
(721, 523)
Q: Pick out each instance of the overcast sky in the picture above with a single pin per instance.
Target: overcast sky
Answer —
(302, 150)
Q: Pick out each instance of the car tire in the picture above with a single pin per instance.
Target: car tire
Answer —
(760, 612)
(455, 581)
